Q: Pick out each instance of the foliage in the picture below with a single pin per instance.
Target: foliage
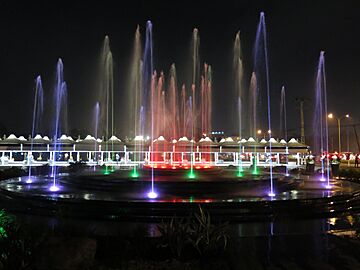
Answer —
(16, 245)
(207, 238)
(175, 234)
(5, 223)
(195, 232)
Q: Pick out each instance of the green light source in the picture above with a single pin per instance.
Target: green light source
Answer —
(106, 172)
(240, 173)
(191, 175)
(134, 173)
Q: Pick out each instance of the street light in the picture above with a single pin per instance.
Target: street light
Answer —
(331, 116)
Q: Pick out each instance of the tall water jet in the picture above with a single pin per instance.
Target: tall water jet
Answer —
(173, 105)
(283, 123)
(96, 125)
(191, 174)
(148, 78)
(106, 84)
(195, 57)
(60, 116)
(195, 77)
(37, 117)
(320, 124)
(263, 68)
(205, 101)
(253, 117)
(253, 105)
(159, 110)
(183, 118)
(135, 95)
(238, 83)
(205, 107)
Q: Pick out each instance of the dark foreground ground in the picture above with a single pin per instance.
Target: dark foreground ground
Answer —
(145, 247)
(197, 242)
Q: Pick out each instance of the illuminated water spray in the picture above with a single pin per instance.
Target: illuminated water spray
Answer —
(262, 53)
(238, 69)
(37, 115)
(191, 174)
(60, 117)
(321, 146)
(106, 84)
(96, 128)
(149, 82)
(283, 125)
(135, 97)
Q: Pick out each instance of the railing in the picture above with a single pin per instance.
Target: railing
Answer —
(135, 158)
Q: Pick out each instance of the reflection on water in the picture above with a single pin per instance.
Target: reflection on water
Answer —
(101, 189)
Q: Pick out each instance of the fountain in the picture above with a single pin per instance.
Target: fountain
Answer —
(283, 125)
(106, 94)
(37, 117)
(238, 71)
(96, 128)
(261, 52)
(135, 97)
(321, 138)
(170, 123)
(60, 117)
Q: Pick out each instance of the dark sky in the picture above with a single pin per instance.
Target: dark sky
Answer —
(34, 35)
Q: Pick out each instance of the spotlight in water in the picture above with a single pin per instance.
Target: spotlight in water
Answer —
(240, 174)
(134, 173)
(28, 181)
(191, 175)
(152, 195)
(271, 194)
(287, 174)
(328, 186)
(54, 188)
(322, 179)
(106, 171)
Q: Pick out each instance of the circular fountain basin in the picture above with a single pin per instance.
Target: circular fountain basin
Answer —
(117, 195)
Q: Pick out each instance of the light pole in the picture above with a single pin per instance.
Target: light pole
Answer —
(331, 116)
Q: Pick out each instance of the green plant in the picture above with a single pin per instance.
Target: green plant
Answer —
(206, 237)
(17, 245)
(175, 235)
(197, 232)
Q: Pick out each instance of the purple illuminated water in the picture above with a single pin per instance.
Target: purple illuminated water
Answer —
(37, 118)
(60, 116)
(262, 67)
(283, 124)
(320, 124)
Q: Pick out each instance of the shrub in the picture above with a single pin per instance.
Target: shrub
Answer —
(195, 232)
(16, 245)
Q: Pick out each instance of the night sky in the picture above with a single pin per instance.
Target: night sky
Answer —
(35, 35)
